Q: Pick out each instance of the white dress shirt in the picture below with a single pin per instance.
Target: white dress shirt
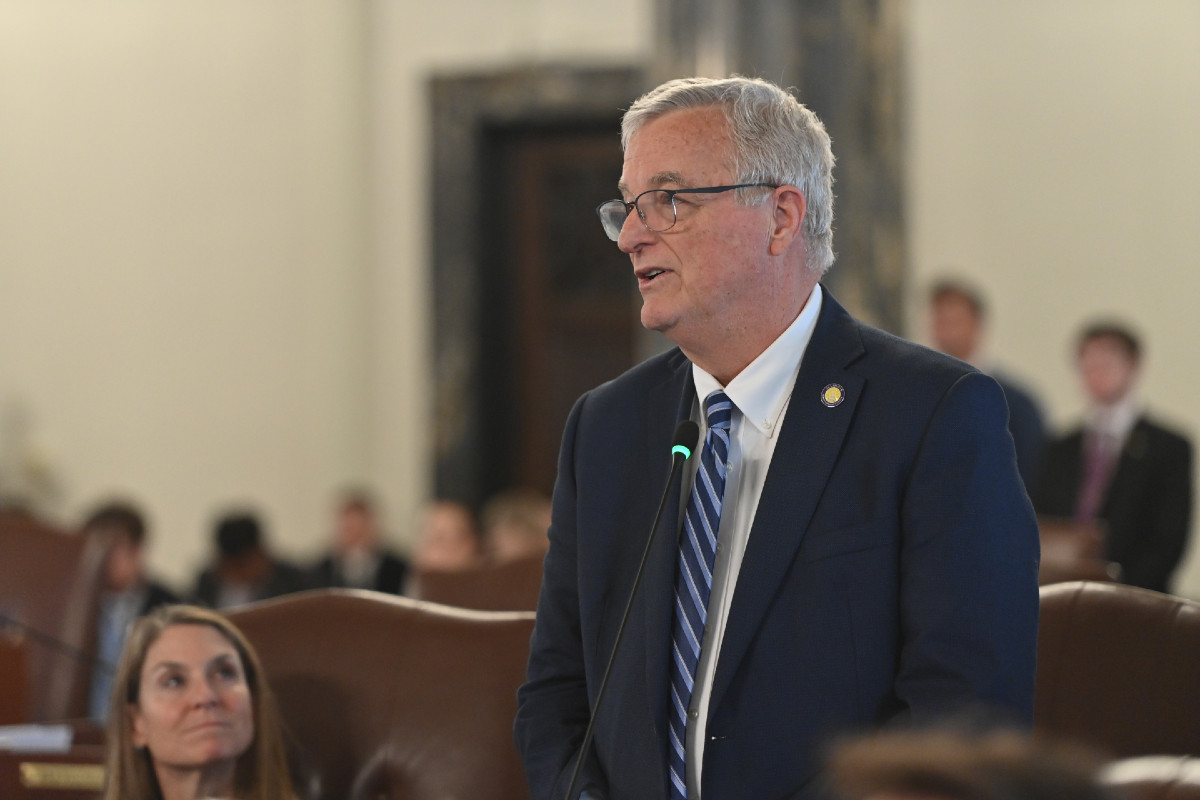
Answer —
(1114, 423)
(760, 395)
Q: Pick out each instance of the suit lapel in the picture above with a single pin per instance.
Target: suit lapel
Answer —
(808, 447)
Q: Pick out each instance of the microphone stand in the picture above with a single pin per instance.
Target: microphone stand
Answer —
(53, 643)
(686, 435)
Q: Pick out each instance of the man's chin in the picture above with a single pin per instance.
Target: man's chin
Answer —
(656, 320)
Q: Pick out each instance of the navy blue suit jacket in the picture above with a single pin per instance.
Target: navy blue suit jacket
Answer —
(891, 571)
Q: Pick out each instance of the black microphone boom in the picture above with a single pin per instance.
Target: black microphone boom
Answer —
(687, 434)
(53, 643)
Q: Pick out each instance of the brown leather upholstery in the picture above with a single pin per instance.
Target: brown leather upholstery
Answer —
(1155, 778)
(1119, 669)
(390, 698)
(49, 585)
(14, 680)
(1073, 551)
(505, 587)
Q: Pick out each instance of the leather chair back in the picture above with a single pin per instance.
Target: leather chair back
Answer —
(14, 678)
(503, 587)
(1119, 669)
(390, 698)
(1073, 551)
(50, 584)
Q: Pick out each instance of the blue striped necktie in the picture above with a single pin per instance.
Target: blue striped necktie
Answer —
(693, 581)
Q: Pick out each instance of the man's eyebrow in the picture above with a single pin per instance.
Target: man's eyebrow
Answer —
(660, 178)
(656, 180)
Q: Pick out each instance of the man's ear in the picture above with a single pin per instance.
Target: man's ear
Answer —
(787, 220)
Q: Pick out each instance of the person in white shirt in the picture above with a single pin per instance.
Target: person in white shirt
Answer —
(854, 548)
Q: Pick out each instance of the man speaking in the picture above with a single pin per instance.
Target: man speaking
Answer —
(851, 545)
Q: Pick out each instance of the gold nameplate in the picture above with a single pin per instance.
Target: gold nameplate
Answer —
(89, 777)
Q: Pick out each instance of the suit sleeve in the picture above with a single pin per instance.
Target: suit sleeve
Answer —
(552, 705)
(969, 562)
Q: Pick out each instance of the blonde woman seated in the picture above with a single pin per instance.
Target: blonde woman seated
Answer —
(192, 716)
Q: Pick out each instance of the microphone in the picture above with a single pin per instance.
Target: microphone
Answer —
(687, 433)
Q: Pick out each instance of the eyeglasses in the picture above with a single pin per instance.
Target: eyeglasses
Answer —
(656, 207)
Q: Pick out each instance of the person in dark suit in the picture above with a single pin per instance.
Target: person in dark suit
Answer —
(958, 317)
(1121, 468)
(872, 555)
(127, 595)
(359, 559)
(245, 570)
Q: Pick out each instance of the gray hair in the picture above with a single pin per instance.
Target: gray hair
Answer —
(775, 139)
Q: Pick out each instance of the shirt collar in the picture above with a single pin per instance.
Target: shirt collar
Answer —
(762, 389)
(1117, 420)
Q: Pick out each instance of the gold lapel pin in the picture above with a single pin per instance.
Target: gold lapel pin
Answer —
(833, 395)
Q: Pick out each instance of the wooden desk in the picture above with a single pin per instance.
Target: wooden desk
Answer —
(14, 681)
(77, 774)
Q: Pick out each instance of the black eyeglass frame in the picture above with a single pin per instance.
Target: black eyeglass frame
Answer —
(633, 204)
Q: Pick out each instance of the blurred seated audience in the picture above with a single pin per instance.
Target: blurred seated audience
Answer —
(515, 525)
(447, 538)
(245, 570)
(192, 715)
(126, 594)
(358, 558)
(953, 765)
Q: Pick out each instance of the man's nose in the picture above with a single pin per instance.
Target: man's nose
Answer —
(634, 233)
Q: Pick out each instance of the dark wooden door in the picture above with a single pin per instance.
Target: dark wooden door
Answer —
(560, 303)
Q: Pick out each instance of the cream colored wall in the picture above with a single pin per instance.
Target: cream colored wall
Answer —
(1053, 160)
(213, 252)
(180, 267)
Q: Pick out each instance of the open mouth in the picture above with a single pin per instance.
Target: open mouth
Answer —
(650, 274)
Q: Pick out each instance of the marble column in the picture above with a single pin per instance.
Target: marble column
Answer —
(844, 59)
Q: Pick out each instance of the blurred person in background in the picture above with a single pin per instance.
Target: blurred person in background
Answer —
(958, 322)
(447, 538)
(514, 526)
(939, 764)
(358, 558)
(127, 593)
(245, 570)
(1120, 467)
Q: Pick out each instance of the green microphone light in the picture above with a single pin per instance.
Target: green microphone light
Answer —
(687, 433)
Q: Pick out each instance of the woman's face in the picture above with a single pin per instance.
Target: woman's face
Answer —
(194, 708)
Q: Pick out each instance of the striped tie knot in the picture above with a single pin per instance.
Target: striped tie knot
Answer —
(718, 408)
